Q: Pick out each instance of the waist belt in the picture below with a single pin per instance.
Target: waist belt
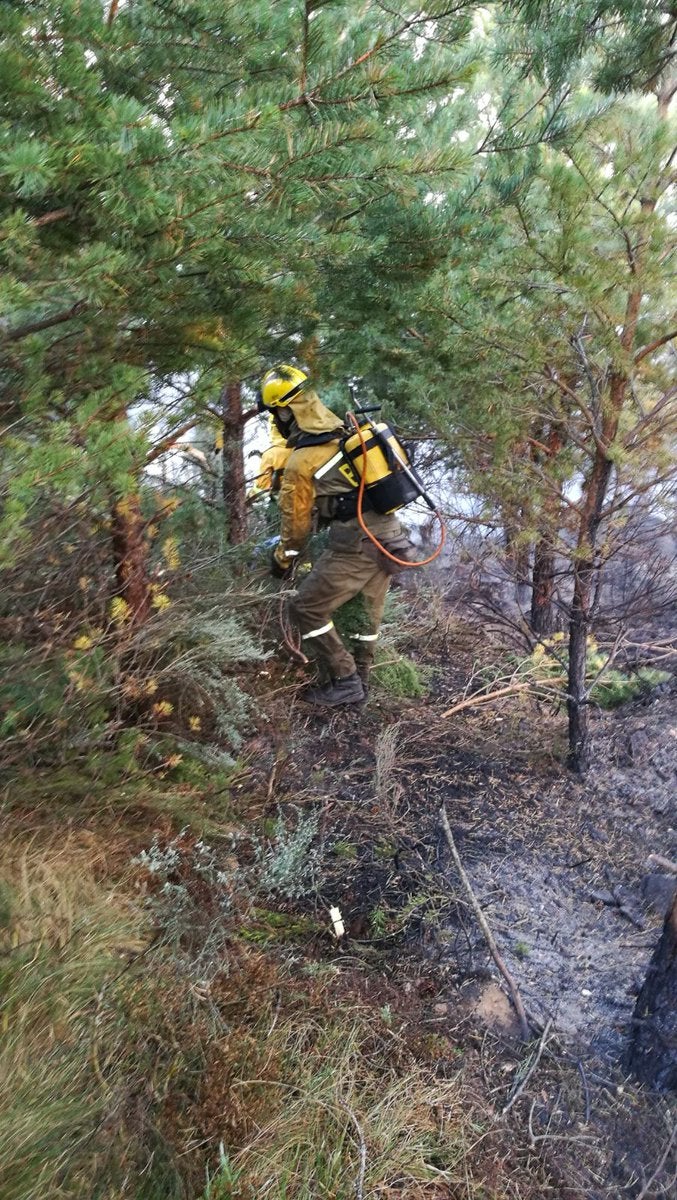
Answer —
(344, 507)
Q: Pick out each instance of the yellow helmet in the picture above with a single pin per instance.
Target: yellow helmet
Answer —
(280, 385)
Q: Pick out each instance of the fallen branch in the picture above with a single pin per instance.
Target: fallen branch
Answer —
(359, 1186)
(484, 926)
(537, 1058)
(665, 863)
(662, 1161)
(473, 700)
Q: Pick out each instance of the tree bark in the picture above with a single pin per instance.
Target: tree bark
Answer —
(652, 1056)
(579, 620)
(130, 557)
(234, 489)
(542, 614)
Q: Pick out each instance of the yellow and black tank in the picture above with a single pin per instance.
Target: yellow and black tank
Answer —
(390, 480)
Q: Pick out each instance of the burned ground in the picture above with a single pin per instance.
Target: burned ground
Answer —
(560, 867)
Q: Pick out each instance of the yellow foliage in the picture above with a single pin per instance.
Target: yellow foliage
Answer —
(163, 708)
(210, 334)
(80, 681)
(130, 688)
(170, 553)
(83, 642)
(119, 610)
(160, 600)
(150, 687)
(195, 723)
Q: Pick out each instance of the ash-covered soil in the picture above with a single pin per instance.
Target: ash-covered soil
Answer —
(560, 865)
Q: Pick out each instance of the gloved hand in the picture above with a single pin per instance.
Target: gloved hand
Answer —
(277, 570)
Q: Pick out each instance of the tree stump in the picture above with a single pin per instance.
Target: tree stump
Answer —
(652, 1057)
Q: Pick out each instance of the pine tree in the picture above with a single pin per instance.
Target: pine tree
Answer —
(545, 327)
(175, 175)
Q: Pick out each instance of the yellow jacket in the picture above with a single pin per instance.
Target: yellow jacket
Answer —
(273, 460)
(298, 493)
(298, 496)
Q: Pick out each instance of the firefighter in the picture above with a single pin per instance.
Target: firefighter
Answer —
(314, 489)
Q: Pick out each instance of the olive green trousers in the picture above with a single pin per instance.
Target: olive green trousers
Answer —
(350, 566)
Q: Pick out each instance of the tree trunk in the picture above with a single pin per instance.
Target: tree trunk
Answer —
(130, 556)
(605, 430)
(542, 615)
(652, 1056)
(234, 490)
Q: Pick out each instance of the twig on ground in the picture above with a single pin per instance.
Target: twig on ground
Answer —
(359, 1186)
(586, 1091)
(665, 863)
(474, 700)
(483, 924)
(537, 1058)
(661, 1163)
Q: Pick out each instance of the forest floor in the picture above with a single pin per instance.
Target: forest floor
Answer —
(237, 1049)
(560, 866)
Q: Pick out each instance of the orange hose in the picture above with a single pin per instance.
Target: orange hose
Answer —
(401, 562)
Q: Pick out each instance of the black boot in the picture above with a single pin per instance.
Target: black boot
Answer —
(336, 693)
(364, 671)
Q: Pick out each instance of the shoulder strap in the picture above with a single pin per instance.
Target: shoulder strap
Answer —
(317, 439)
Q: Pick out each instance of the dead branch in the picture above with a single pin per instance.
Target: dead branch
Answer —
(359, 1186)
(167, 443)
(473, 700)
(484, 926)
(664, 863)
(537, 1058)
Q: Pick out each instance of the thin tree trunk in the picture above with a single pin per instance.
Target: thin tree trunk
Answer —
(234, 490)
(579, 621)
(542, 615)
(595, 490)
(130, 557)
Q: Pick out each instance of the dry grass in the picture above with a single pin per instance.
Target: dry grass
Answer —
(333, 1091)
(63, 940)
(120, 1080)
(386, 748)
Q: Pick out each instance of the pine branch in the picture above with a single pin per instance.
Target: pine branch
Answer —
(168, 442)
(69, 314)
(661, 341)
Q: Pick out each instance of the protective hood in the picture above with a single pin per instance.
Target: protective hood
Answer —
(310, 415)
(276, 437)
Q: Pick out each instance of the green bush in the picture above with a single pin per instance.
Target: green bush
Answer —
(393, 673)
(401, 678)
(547, 666)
